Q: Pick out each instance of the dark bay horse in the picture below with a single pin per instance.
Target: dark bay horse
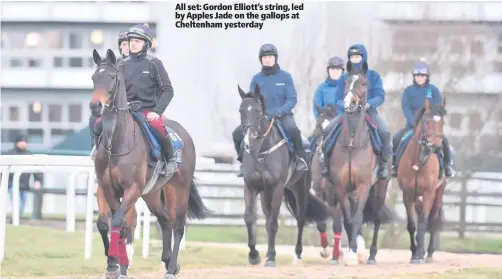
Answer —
(352, 171)
(420, 179)
(122, 170)
(268, 171)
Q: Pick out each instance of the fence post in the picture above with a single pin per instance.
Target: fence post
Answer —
(38, 201)
(463, 206)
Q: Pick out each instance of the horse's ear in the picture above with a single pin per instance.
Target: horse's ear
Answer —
(241, 92)
(318, 108)
(256, 93)
(96, 57)
(110, 57)
(427, 105)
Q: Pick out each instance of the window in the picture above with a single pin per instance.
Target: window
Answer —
(54, 39)
(475, 122)
(58, 135)
(35, 112)
(55, 113)
(76, 40)
(75, 113)
(35, 135)
(15, 39)
(414, 40)
(455, 120)
(96, 39)
(16, 62)
(57, 62)
(33, 40)
(10, 135)
(75, 62)
(34, 62)
(14, 114)
(477, 48)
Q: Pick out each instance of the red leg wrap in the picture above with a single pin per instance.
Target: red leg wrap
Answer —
(324, 240)
(113, 251)
(336, 244)
(123, 259)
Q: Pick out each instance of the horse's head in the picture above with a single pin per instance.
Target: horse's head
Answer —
(105, 79)
(356, 89)
(253, 118)
(324, 115)
(433, 121)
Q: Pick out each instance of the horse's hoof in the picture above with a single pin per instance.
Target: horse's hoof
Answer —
(254, 261)
(371, 262)
(334, 262)
(297, 261)
(324, 252)
(350, 258)
(429, 260)
(112, 274)
(269, 264)
(417, 261)
(169, 276)
(130, 253)
(123, 277)
(362, 256)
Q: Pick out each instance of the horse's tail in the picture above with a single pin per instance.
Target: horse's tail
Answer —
(316, 209)
(370, 213)
(196, 208)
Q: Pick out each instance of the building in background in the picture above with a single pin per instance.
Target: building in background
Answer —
(47, 63)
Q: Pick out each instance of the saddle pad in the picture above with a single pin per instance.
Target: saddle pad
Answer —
(177, 143)
(333, 135)
(153, 143)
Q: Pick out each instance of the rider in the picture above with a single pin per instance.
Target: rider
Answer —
(96, 108)
(412, 101)
(280, 96)
(325, 93)
(358, 63)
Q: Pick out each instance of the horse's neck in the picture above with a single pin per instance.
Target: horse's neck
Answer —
(414, 144)
(355, 128)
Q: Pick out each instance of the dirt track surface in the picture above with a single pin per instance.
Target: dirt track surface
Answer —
(390, 262)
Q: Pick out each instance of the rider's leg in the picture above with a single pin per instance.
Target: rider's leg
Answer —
(237, 137)
(385, 154)
(324, 155)
(447, 158)
(289, 124)
(395, 143)
(164, 137)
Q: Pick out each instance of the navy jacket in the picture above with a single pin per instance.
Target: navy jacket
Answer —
(279, 92)
(413, 99)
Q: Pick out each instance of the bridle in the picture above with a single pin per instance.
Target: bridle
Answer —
(354, 106)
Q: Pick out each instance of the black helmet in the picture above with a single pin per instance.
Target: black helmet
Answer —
(335, 62)
(268, 49)
(141, 31)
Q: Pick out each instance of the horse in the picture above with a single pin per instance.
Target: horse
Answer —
(420, 176)
(268, 170)
(122, 169)
(354, 186)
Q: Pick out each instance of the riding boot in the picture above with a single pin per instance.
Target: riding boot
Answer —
(324, 160)
(383, 171)
(167, 147)
(448, 171)
(301, 162)
(237, 146)
(395, 144)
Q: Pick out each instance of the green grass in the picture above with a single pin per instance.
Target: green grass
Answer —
(287, 235)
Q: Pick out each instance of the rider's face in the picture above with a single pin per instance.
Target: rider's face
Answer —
(268, 60)
(335, 73)
(356, 58)
(124, 47)
(136, 45)
(420, 79)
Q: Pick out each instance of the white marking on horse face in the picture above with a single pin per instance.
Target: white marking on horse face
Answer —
(246, 137)
(325, 123)
(437, 118)
(101, 70)
(250, 108)
(348, 99)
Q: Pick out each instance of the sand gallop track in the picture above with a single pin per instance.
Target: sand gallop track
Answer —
(390, 262)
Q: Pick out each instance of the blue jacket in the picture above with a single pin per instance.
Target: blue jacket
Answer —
(376, 93)
(279, 92)
(324, 95)
(414, 98)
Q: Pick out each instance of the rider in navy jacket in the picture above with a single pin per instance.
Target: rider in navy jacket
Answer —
(280, 95)
(412, 101)
(325, 93)
(358, 63)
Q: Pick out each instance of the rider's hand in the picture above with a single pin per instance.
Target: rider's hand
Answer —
(152, 116)
(367, 106)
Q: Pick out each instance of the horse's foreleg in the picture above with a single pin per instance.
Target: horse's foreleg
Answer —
(409, 204)
(102, 222)
(381, 193)
(273, 222)
(129, 226)
(301, 198)
(321, 224)
(250, 219)
(357, 221)
(337, 233)
(435, 220)
(118, 250)
(423, 220)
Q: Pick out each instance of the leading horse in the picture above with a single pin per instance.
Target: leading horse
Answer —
(420, 178)
(122, 170)
(352, 170)
(268, 171)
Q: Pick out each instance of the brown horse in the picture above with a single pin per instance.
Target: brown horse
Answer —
(352, 171)
(122, 170)
(320, 184)
(419, 175)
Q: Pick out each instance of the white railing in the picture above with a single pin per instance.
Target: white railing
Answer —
(70, 164)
